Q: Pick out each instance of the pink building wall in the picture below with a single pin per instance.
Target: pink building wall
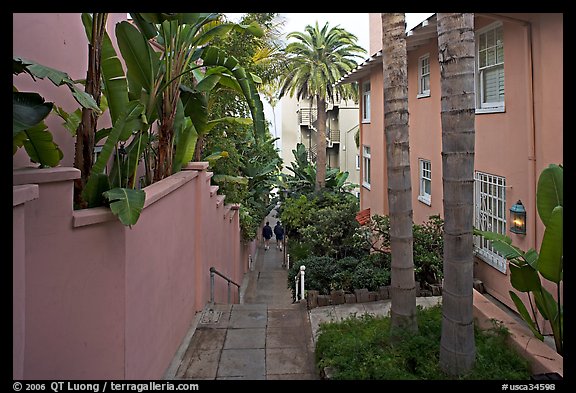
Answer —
(425, 133)
(516, 144)
(105, 301)
(372, 135)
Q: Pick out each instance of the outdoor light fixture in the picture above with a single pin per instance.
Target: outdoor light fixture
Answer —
(518, 218)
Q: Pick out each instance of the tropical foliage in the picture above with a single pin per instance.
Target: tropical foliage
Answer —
(428, 245)
(248, 163)
(304, 176)
(362, 348)
(528, 267)
(29, 109)
(316, 61)
(156, 120)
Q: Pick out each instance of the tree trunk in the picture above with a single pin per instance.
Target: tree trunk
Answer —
(166, 132)
(84, 148)
(456, 56)
(403, 308)
(321, 145)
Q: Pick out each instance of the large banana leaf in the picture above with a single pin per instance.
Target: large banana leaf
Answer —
(41, 147)
(185, 144)
(525, 315)
(71, 120)
(551, 250)
(28, 109)
(524, 278)
(550, 191)
(95, 188)
(114, 80)
(58, 78)
(137, 54)
(133, 110)
(126, 203)
(213, 56)
(195, 107)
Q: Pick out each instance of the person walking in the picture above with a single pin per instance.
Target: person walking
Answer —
(267, 235)
(279, 232)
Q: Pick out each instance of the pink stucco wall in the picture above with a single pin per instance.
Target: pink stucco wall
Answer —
(21, 195)
(425, 133)
(105, 301)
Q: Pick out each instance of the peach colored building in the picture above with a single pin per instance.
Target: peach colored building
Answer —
(519, 126)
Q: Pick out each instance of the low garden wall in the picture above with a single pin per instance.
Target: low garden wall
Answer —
(94, 299)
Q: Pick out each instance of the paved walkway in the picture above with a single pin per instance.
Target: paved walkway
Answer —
(265, 337)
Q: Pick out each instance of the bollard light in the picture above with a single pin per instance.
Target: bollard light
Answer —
(518, 218)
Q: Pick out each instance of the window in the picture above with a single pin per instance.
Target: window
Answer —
(425, 193)
(489, 215)
(424, 76)
(490, 72)
(366, 102)
(366, 166)
(357, 161)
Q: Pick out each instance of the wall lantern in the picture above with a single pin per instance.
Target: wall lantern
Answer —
(518, 218)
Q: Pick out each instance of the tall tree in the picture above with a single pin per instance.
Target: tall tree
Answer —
(456, 56)
(394, 59)
(84, 147)
(316, 61)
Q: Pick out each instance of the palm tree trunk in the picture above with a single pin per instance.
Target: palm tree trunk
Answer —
(321, 144)
(403, 308)
(84, 147)
(456, 55)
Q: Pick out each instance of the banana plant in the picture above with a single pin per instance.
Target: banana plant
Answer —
(181, 39)
(527, 268)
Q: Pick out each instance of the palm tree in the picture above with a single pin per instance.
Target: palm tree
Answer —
(316, 61)
(403, 309)
(456, 56)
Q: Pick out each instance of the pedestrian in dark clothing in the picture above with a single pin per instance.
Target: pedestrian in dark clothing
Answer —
(279, 232)
(267, 234)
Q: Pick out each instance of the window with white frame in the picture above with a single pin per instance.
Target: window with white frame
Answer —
(424, 76)
(425, 194)
(366, 102)
(490, 67)
(366, 166)
(357, 161)
(489, 215)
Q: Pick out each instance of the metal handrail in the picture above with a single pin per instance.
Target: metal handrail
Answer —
(299, 279)
(213, 271)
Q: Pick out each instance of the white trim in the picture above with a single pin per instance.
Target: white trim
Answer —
(366, 161)
(423, 93)
(425, 200)
(489, 215)
(489, 107)
(366, 107)
(496, 109)
(423, 196)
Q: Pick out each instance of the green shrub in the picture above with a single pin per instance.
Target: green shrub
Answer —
(429, 251)
(360, 348)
